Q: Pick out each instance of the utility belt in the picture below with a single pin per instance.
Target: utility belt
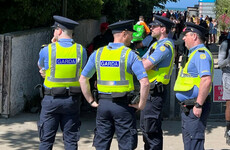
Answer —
(189, 104)
(125, 98)
(62, 91)
(156, 88)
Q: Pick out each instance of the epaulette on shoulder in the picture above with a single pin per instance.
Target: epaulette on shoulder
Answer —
(137, 52)
(200, 50)
(166, 45)
(44, 45)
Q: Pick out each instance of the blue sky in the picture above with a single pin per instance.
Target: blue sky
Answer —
(181, 4)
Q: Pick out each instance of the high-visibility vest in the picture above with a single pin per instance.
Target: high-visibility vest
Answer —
(111, 66)
(163, 74)
(185, 81)
(65, 65)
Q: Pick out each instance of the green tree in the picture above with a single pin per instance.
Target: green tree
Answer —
(130, 9)
(26, 14)
(223, 13)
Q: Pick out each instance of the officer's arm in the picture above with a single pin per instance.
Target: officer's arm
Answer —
(147, 64)
(139, 71)
(205, 84)
(144, 91)
(85, 88)
(41, 60)
(222, 59)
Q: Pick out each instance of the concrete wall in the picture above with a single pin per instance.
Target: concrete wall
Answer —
(87, 30)
(19, 65)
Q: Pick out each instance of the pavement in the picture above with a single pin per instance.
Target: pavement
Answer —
(20, 133)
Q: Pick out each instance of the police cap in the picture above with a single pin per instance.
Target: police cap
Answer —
(191, 27)
(162, 21)
(64, 23)
(126, 25)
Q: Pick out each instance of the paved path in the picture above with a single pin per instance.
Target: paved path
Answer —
(20, 133)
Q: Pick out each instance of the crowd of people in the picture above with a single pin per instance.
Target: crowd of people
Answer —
(115, 57)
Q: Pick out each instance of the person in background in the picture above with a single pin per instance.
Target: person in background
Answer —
(142, 22)
(115, 65)
(193, 87)
(224, 64)
(210, 30)
(214, 30)
(60, 63)
(102, 39)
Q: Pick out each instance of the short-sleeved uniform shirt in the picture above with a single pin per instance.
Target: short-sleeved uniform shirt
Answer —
(134, 63)
(200, 64)
(162, 54)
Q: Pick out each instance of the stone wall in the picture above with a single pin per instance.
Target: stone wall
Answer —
(19, 52)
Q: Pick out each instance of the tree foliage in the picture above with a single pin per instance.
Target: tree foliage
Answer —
(130, 9)
(223, 6)
(26, 14)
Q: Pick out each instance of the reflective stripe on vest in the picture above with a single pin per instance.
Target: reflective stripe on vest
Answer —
(51, 79)
(164, 73)
(185, 81)
(113, 83)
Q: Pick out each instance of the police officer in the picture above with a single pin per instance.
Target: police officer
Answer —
(193, 86)
(115, 65)
(158, 62)
(224, 64)
(61, 63)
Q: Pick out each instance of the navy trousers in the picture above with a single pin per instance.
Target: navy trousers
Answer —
(116, 118)
(150, 123)
(63, 111)
(193, 128)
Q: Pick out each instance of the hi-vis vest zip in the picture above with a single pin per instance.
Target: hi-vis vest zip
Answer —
(65, 65)
(185, 81)
(163, 74)
(111, 66)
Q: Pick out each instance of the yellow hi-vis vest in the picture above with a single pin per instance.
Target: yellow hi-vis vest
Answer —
(163, 74)
(65, 65)
(111, 66)
(185, 81)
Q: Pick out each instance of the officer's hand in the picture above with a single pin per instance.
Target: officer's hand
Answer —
(43, 73)
(94, 104)
(197, 111)
(135, 106)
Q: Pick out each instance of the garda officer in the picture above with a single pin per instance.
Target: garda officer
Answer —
(193, 86)
(61, 63)
(158, 62)
(115, 65)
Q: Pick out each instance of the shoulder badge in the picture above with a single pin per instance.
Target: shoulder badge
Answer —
(166, 45)
(162, 48)
(44, 45)
(136, 52)
(202, 56)
(200, 50)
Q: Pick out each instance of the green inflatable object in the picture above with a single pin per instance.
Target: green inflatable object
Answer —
(139, 34)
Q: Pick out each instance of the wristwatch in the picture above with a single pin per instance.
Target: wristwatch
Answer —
(91, 102)
(197, 105)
